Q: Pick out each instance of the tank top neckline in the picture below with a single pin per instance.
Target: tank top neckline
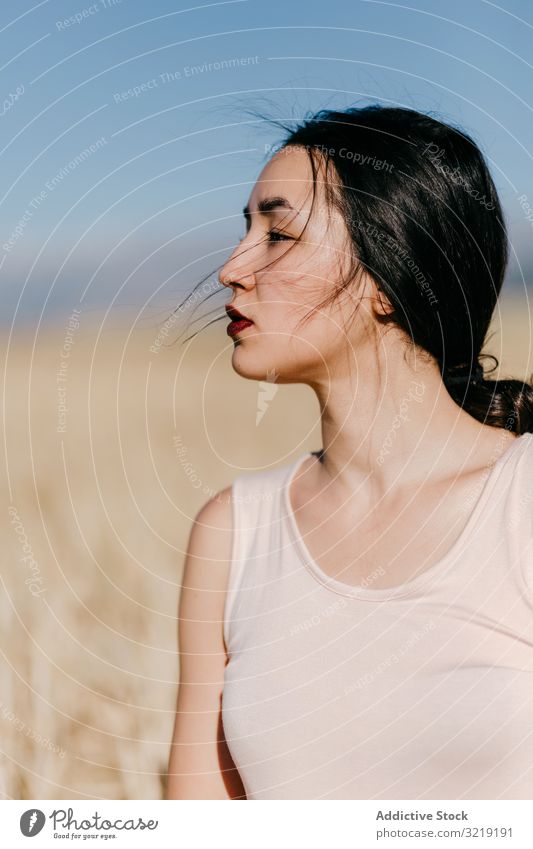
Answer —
(437, 570)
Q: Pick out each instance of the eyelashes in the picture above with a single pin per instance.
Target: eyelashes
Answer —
(276, 236)
(273, 236)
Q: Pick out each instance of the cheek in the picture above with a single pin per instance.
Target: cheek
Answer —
(300, 283)
(292, 312)
(316, 341)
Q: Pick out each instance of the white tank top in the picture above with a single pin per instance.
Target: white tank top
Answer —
(418, 691)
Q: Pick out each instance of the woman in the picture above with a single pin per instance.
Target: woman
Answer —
(358, 624)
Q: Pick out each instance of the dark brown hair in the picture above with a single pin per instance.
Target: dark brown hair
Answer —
(426, 223)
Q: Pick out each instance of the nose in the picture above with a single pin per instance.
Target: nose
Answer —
(236, 271)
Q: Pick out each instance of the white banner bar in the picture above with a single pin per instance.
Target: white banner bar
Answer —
(269, 824)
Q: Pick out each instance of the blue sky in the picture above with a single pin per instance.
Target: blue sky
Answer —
(128, 150)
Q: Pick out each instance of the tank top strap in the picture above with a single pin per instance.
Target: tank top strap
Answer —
(256, 499)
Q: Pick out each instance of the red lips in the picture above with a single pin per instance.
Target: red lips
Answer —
(238, 321)
(235, 315)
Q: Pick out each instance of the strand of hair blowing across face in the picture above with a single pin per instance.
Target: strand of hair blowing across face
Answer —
(428, 226)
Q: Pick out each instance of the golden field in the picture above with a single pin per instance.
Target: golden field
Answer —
(112, 442)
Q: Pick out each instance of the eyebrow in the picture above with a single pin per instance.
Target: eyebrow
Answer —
(268, 205)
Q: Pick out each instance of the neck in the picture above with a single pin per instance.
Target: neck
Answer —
(396, 432)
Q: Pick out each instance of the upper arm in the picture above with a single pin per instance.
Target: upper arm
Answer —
(200, 766)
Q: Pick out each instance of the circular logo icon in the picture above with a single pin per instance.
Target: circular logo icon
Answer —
(32, 822)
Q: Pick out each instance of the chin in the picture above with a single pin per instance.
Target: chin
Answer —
(248, 366)
(263, 368)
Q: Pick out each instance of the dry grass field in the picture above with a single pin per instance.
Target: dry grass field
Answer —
(111, 444)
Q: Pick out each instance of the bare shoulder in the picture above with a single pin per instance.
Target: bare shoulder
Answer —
(212, 531)
(209, 546)
(218, 510)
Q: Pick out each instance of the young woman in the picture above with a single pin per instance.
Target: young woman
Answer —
(358, 624)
